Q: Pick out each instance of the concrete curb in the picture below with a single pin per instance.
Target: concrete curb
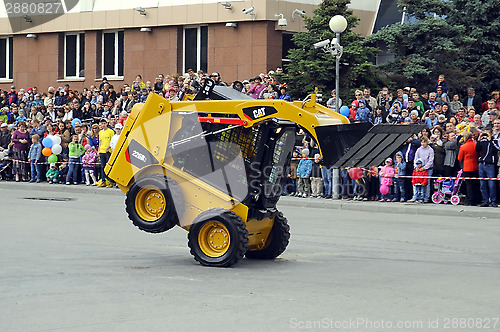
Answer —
(341, 205)
(58, 188)
(394, 207)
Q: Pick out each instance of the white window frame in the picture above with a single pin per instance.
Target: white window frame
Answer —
(198, 46)
(116, 76)
(78, 69)
(8, 60)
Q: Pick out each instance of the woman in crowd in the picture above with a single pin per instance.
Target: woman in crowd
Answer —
(468, 156)
(93, 136)
(65, 133)
(437, 144)
(453, 120)
(49, 130)
(21, 140)
(451, 152)
(426, 132)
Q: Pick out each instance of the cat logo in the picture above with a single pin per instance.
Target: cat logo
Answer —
(257, 112)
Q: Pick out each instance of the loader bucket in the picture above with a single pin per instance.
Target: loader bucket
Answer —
(380, 142)
(336, 140)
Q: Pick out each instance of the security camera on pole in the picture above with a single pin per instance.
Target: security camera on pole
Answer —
(337, 24)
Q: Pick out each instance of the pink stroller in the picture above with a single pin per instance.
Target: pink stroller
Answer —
(447, 190)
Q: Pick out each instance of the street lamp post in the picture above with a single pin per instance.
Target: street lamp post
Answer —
(337, 24)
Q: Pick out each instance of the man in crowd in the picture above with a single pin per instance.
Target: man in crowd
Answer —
(5, 136)
(105, 135)
(38, 128)
(371, 101)
(472, 99)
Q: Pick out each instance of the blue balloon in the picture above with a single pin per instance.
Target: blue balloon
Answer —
(344, 110)
(75, 121)
(47, 142)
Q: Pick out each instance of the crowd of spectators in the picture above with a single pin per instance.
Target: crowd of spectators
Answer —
(29, 115)
(461, 133)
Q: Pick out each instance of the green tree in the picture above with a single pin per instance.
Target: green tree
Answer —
(309, 67)
(457, 38)
(479, 64)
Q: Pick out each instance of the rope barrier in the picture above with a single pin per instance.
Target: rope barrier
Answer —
(394, 177)
(47, 163)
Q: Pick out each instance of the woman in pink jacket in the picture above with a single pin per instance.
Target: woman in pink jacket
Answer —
(386, 179)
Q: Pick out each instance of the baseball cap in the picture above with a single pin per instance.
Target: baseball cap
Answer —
(4, 125)
(103, 120)
(317, 156)
(493, 113)
(52, 164)
(118, 126)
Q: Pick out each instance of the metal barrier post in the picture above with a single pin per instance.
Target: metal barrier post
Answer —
(336, 183)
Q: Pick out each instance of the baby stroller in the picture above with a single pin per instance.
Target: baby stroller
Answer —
(5, 167)
(447, 190)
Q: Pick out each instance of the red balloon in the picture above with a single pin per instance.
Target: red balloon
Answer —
(356, 173)
(46, 152)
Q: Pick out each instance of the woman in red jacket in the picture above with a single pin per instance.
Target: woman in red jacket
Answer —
(467, 155)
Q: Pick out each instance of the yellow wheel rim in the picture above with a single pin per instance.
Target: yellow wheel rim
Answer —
(150, 204)
(213, 239)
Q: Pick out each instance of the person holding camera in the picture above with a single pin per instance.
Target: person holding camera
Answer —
(430, 118)
(488, 155)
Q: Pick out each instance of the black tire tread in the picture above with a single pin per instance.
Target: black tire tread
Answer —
(242, 233)
(280, 239)
(177, 196)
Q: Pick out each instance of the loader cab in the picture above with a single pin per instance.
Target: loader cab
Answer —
(269, 171)
(248, 164)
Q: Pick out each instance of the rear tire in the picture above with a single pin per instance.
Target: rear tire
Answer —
(276, 242)
(153, 203)
(218, 238)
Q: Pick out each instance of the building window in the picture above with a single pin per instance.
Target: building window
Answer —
(112, 54)
(6, 57)
(195, 48)
(74, 55)
(287, 45)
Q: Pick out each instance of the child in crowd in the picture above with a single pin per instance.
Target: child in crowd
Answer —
(122, 117)
(34, 157)
(419, 181)
(75, 152)
(316, 178)
(362, 187)
(386, 174)
(291, 182)
(304, 172)
(88, 161)
(399, 184)
(373, 183)
(455, 105)
(21, 117)
(63, 170)
(52, 173)
(405, 118)
(363, 113)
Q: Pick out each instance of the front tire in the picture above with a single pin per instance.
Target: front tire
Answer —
(218, 238)
(153, 203)
(277, 240)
